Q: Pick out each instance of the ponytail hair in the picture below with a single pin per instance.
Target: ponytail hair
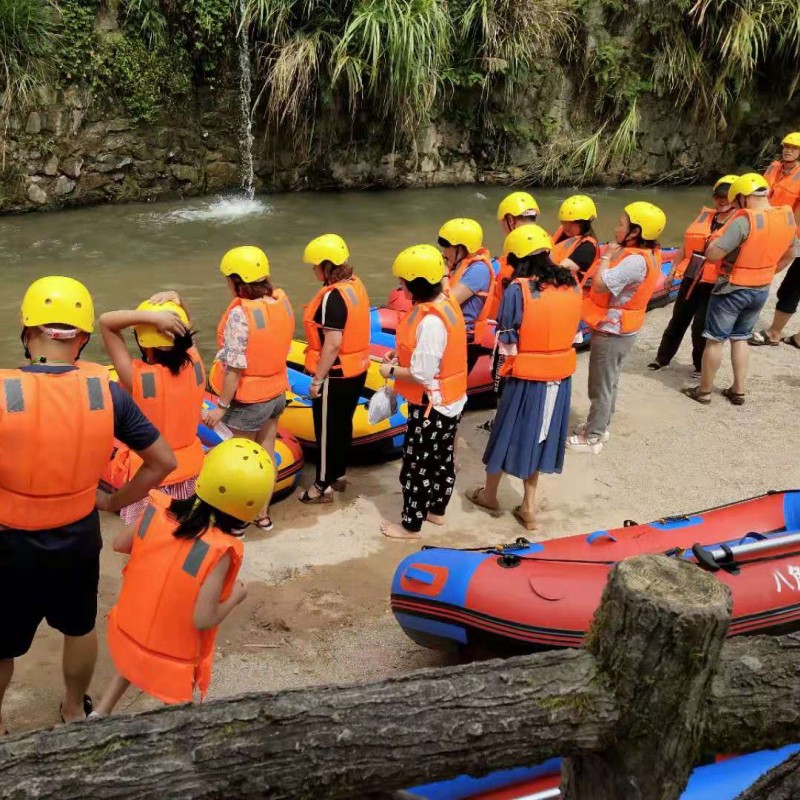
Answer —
(541, 268)
(195, 517)
(174, 358)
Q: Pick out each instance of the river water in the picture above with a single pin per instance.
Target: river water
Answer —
(125, 253)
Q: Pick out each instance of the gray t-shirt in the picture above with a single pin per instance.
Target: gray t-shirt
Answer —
(622, 282)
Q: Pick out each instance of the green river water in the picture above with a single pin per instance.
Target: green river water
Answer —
(125, 253)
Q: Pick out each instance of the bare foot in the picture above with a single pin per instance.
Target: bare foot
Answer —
(436, 519)
(394, 531)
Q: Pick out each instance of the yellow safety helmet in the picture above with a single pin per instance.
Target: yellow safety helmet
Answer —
(420, 261)
(57, 300)
(237, 478)
(527, 240)
(466, 232)
(792, 139)
(577, 207)
(746, 185)
(725, 180)
(518, 204)
(328, 247)
(651, 219)
(249, 263)
(149, 335)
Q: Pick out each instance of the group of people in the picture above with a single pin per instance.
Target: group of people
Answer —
(187, 511)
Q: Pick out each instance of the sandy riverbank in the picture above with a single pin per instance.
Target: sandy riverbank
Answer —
(317, 609)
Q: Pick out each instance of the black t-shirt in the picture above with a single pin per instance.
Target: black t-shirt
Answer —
(82, 538)
(331, 314)
(584, 255)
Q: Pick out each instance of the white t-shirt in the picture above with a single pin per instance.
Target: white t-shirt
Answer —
(426, 360)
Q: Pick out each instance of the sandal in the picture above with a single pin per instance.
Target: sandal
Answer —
(792, 340)
(655, 366)
(264, 523)
(325, 496)
(473, 495)
(581, 443)
(527, 521)
(734, 398)
(694, 393)
(88, 707)
(761, 339)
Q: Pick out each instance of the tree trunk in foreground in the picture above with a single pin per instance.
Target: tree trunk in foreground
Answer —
(781, 783)
(657, 638)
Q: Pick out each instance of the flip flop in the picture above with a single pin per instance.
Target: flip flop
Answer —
(88, 707)
(520, 516)
(473, 496)
(762, 339)
(264, 523)
(791, 340)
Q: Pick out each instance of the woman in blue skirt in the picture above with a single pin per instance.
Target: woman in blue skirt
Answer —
(539, 314)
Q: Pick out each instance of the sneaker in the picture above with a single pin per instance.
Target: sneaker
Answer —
(580, 430)
(591, 444)
(485, 427)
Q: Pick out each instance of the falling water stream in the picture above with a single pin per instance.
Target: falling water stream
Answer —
(246, 121)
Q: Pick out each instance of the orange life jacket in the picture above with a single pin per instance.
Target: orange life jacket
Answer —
(354, 352)
(566, 247)
(151, 633)
(784, 187)
(695, 240)
(504, 273)
(597, 304)
(550, 317)
(56, 436)
(482, 320)
(270, 328)
(452, 376)
(772, 231)
(173, 404)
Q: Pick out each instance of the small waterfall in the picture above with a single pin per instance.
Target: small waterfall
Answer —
(246, 117)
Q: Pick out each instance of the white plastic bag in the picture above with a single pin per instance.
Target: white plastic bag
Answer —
(382, 405)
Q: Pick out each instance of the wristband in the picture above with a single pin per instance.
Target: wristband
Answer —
(391, 371)
(224, 406)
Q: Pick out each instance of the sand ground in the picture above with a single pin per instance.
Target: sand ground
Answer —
(318, 604)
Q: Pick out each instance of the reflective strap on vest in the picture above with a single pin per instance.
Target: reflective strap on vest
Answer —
(449, 313)
(148, 385)
(703, 217)
(14, 399)
(198, 373)
(351, 293)
(144, 522)
(258, 318)
(195, 557)
(96, 401)
(288, 306)
(759, 220)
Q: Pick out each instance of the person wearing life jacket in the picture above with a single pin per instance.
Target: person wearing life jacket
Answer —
(249, 373)
(694, 293)
(58, 419)
(470, 280)
(614, 309)
(575, 242)
(337, 328)
(181, 580)
(429, 371)
(538, 318)
(783, 178)
(167, 383)
(756, 242)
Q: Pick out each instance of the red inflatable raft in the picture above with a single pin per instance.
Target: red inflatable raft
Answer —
(526, 596)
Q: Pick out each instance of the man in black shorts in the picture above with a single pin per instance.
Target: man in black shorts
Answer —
(58, 419)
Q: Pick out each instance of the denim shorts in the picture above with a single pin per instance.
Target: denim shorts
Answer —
(734, 315)
(251, 416)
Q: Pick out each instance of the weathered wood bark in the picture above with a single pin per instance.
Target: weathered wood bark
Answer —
(326, 742)
(781, 783)
(657, 637)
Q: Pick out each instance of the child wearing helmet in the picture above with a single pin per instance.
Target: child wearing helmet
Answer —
(575, 242)
(695, 289)
(181, 581)
(614, 309)
(167, 383)
(429, 368)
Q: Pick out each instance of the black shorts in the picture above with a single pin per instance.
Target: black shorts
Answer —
(789, 290)
(57, 586)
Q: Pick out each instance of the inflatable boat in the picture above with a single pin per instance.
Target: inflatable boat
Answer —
(724, 780)
(385, 437)
(524, 596)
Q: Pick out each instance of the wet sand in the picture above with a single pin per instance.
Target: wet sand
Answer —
(317, 610)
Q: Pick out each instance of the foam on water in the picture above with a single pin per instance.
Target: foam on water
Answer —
(222, 210)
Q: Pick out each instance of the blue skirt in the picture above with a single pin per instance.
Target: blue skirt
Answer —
(514, 446)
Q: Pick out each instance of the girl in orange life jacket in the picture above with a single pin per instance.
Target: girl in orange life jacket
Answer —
(181, 579)
(249, 372)
(575, 242)
(614, 309)
(167, 383)
(538, 317)
(337, 328)
(429, 368)
(471, 280)
(695, 290)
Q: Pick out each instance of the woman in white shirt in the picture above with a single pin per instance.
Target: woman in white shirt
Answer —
(430, 371)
